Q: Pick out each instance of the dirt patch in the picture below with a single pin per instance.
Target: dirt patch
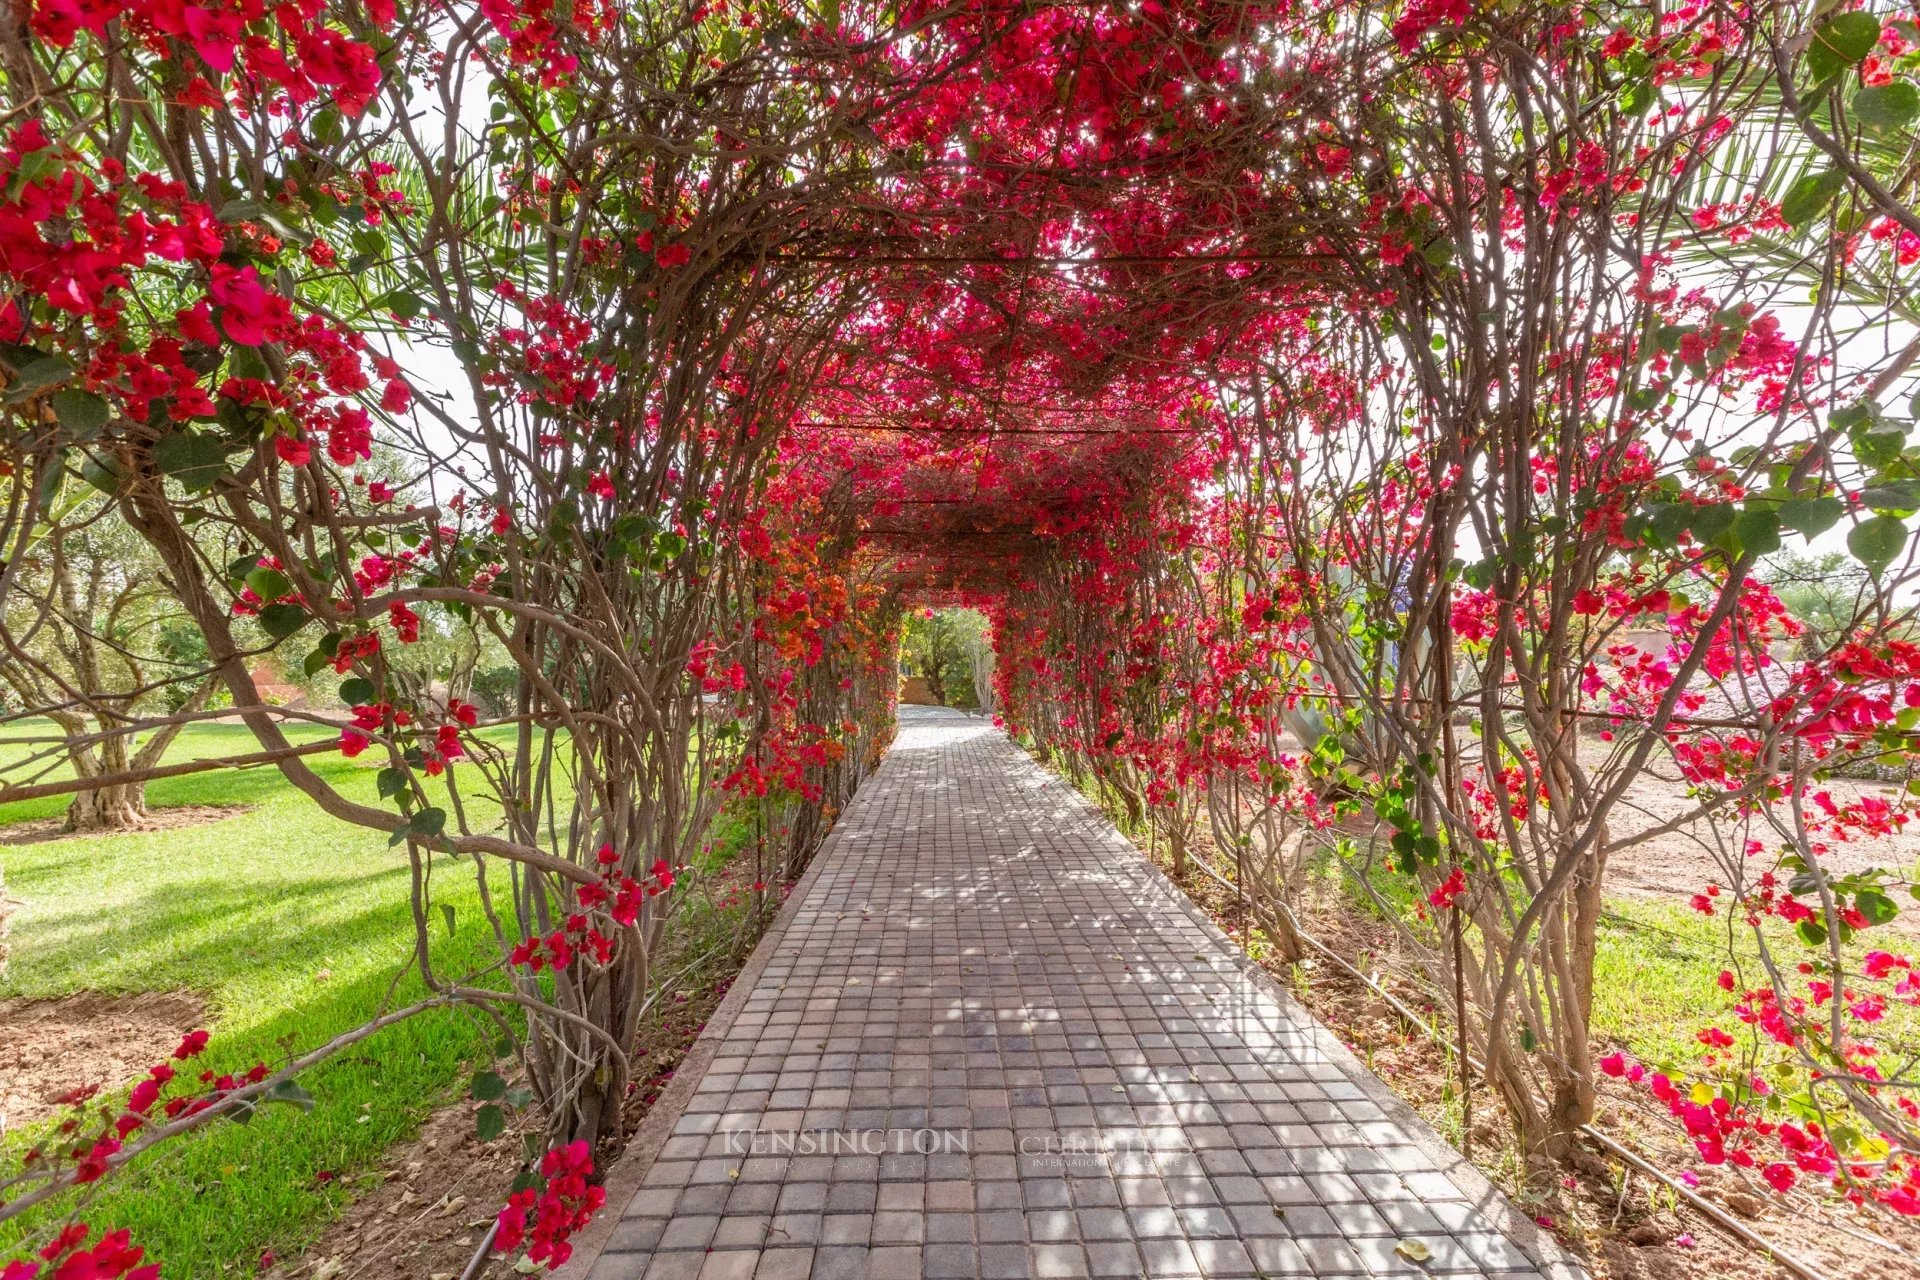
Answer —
(425, 1214)
(1675, 865)
(170, 818)
(54, 1046)
(421, 1215)
(1623, 1225)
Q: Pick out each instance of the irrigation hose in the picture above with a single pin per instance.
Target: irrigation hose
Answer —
(1707, 1208)
(479, 1259)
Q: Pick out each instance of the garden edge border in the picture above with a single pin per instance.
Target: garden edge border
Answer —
(1554, 1259)
(644, 1147)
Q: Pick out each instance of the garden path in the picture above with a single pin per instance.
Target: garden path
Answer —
(987, 1039)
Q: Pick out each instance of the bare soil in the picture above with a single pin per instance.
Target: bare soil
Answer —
(1624, 1225)
(52, 1047)
(1678, 864)
(170, 818)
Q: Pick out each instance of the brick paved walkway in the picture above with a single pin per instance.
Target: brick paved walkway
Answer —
(989, 1041)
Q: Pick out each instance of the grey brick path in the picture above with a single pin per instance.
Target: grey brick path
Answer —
(990, 1041)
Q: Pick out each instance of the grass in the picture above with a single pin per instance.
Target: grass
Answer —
(1656, 963)
(1654, 972)
(1654, 967)
(291, 925)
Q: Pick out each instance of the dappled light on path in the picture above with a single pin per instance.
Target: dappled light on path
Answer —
(989, 1040)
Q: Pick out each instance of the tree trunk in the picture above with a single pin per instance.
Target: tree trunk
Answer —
(121, 807)
(118, 807)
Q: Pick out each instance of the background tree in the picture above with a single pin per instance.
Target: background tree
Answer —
(95, 645)
(1826, 593)
(935, 645)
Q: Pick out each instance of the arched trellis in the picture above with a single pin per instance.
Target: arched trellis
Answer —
(1249, 362)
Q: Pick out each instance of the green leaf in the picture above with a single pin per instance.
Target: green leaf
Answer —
(392, 781)
(1808, 197)
(357, 692)
(102, 472)
(1876, 542)
(489, 1122)
(240, 211)
(402, 302)
(427, 823)
(268, 584)
(447, 913)
(1667, 521)
(1840, 42)
(1811, 516)
(1710, 523)
(247, 362)
(1877, 907)
(82, 413)
(282, 620)
(1892, 495)
(195, 461)
(36, 377)
(1878, 448)
(290, 1092)
(488, 1086)
(35, 166)
(1887, 108)
(1758, 531)
(315, 663)
(1811, 931)
(52, 479)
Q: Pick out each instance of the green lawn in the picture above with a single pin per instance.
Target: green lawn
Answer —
(1654, 972)
(291, 925)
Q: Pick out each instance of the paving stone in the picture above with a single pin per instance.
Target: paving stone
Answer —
(1005, 1262)
(840, 1262)
(793, 1229)
(990, 1042)
(846, 1228)
(636, 1235)
(895, 1262)
(785, 1264)
(731, 1264)
(676, 1266)
(695, 1231)
(1113, 1258)
(1169, 1258)
(1222, 1258)
(950, 1262)
(1059, 1260)
(741, 1232)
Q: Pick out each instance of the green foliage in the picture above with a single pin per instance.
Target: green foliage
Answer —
(1824, 593)
(291, 926)
(934, 644)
